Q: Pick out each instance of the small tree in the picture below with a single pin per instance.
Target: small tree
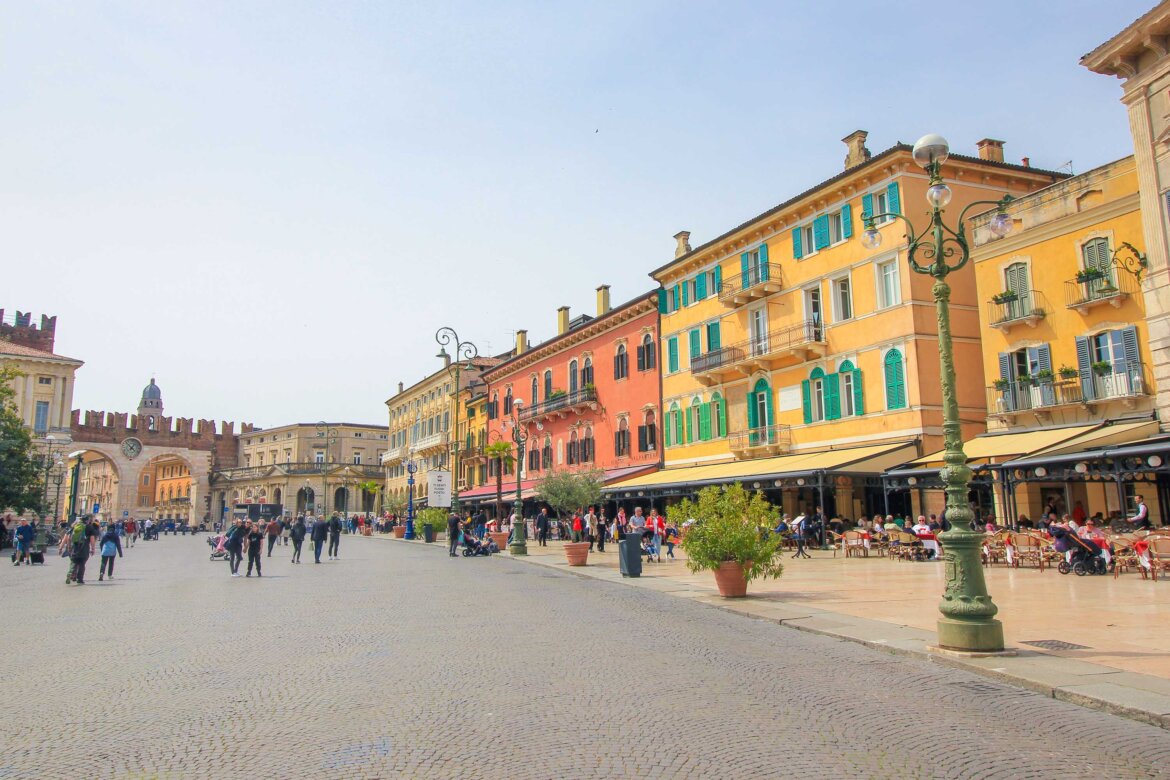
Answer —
(369, 488)
(730, 525)
(501, 453)
(566, 491)
(21, 487)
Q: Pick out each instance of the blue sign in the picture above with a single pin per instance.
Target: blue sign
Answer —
(97, 508)
(125, 513)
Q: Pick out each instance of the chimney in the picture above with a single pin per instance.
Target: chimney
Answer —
(400, 388)
(990, 150)
(562, 320)
(521, 342)
(1026, 162)
(684, 243)
(603, 300)
(857, 153)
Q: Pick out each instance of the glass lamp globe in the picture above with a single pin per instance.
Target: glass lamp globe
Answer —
(938, 196)
(1001, 224)
(931, 148)
(871, 238)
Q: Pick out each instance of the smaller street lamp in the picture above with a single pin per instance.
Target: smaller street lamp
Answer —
(517, 544)
(411, 468)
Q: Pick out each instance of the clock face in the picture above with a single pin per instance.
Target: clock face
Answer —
(131, 447)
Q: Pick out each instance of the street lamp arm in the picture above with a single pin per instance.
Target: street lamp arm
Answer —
(463, 350)
(1000, 206)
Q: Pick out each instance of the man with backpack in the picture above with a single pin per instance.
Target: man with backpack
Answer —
(81, 537)
(319, 533)
(234, 544)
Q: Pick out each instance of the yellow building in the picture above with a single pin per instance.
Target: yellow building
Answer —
(1066, 350)
(172, 490)
(307, 468)
(812, 360)
(471, 436)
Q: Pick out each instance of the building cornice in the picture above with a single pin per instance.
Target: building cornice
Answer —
(1057, 227)
(1123, 54)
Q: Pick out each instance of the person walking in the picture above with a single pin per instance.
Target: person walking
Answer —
(286, 529)
(80, 536)
(452, 533)
(273, 534)
(334, 536)
(601, 529)
(131, 527)
(255, 542)
(23, 537)
(235, 546)
(670, 537)
(319, 534)
(111, 543)
(297, 534)
(542, 522)
(578, 527)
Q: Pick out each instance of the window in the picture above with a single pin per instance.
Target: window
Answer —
(695, 344)
(883, 201)
(574, 449)
(41, 421)
(813, 311)
(852, 391)
(587, 448)
(718, 416)
(318, 458)
(714, 341)
(647, 359)
(546, 454)
(889, 291)
(621, 439)
(836, 231)
(621, 363)
(803, 241)
(1110, 364)
(535, 388)
(759, 405)
(1015, 280)
(587, 372)
(573, 376)
(895, 375)
(753, 267)
(507, 406)
(357, 459)
(816, 383)
(842, 299)
(145, 479)
(260, 459)
(547, 383)
(648, 434)
(694, 421)
(45, 380)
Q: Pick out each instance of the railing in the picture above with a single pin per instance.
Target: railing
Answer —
(790, 337)
(1122, 381)
(558, 402)
(430, 441)
(1021, 307)
(294, 469)
(770, 436)
(1108, 288)
(756, 275)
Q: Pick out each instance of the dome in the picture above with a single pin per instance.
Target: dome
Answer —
(151, 392)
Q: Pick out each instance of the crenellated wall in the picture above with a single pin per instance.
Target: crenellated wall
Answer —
(220, 439)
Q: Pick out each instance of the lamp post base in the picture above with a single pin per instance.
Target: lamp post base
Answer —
(409, 530)
(970, 636)
(517, 548)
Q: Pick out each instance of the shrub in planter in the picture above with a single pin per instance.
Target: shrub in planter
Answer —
(729, 537)
(1005, 297)
(432, 518)
(1068, 372)
(1089, 274)
(1042, 376)
(1102, 367)
(1002, 384)
(566, 492)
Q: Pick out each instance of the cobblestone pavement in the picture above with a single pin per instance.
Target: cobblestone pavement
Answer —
(399, 662)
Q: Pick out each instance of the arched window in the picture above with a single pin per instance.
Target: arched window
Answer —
(621, 438)
(648, 433)
(573, 376)
(535, 388)
(695, 421)
(560, 452)
(718, 416)
(493, 410)
(547, 383)
(895, 375)
(674, 425)
(574, 449)
(546, 454)
(852, 390)
(760, 405)
(587, 372)
(621, 363)
(507, 402)
(647, 355)
(587, 448)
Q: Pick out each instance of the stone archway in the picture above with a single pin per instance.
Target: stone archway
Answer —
(183, 502)
(94, 479)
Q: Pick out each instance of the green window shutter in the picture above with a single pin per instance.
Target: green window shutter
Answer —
(678, 427)
(672, 353)
(893, 199)
(1084, 362)
(677, 297)
(744, 269)
(722, 418)
(1005, 366)
(666, 434)
(821, 231)
(867, 205)
(1129, 346)
(858, 393)
(686, 293)
(895, 380)
(767, 393)
(701, 286)
(662, 301)
(690, 432)
(797, 243)
(832, 397)
(704, 422)
(712, 336)
(718, 280)
(764, 262)
(806, 400)
(847, 221)
(751, 402)
(696, 345)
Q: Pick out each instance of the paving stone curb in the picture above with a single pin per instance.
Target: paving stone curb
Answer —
(1143, 698)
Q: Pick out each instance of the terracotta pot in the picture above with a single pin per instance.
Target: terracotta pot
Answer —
(367, 531)
(399, 531)
(577, 553)
(500, 538)
(730, 580)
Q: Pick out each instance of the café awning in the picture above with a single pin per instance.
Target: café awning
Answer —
(1002, 446)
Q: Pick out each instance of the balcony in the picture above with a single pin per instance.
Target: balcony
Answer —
(395, 455)
(294, 469)
(759, 281)
(1084, 388)
(785, 346)
(560, 405)
(1089, 290)
(431, 442)
(1017, 309)
(765, 440)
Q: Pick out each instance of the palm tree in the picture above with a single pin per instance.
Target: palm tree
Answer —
(501, 453)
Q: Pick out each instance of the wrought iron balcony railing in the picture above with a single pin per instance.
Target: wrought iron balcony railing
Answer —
(793, 343)
(1010, 309)
(558, 403)
(1090, 288)
(760, 280)
(1119, 382)
(770, 438)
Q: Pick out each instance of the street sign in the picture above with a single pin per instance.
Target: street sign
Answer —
(97, 508)
(125, 513)
(439, 489)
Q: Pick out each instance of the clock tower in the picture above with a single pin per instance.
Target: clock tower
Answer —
(150, 408)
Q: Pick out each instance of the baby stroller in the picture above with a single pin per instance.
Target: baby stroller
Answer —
(648, 547)
(216, 543)
(473, 547)
(1084, 554)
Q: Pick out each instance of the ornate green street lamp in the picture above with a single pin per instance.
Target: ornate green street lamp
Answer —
(968, 621)
(517, 542)
(464, 351)
(328, 434)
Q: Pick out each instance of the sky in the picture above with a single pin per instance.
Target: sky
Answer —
(272, 207)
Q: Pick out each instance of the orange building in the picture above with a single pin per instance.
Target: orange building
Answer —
(589, 398)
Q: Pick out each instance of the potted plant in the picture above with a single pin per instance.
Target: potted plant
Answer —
(570, 491)
(1023, 379)
(1102, 367)
(555, 394)
(1043, 376)
(1089, 274)
(1007, 296)
(726, 537)
(590, 388)
(1002, 384)
(431, 520)
(1068, 372)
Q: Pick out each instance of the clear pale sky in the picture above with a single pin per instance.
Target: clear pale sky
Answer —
(271, 207)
